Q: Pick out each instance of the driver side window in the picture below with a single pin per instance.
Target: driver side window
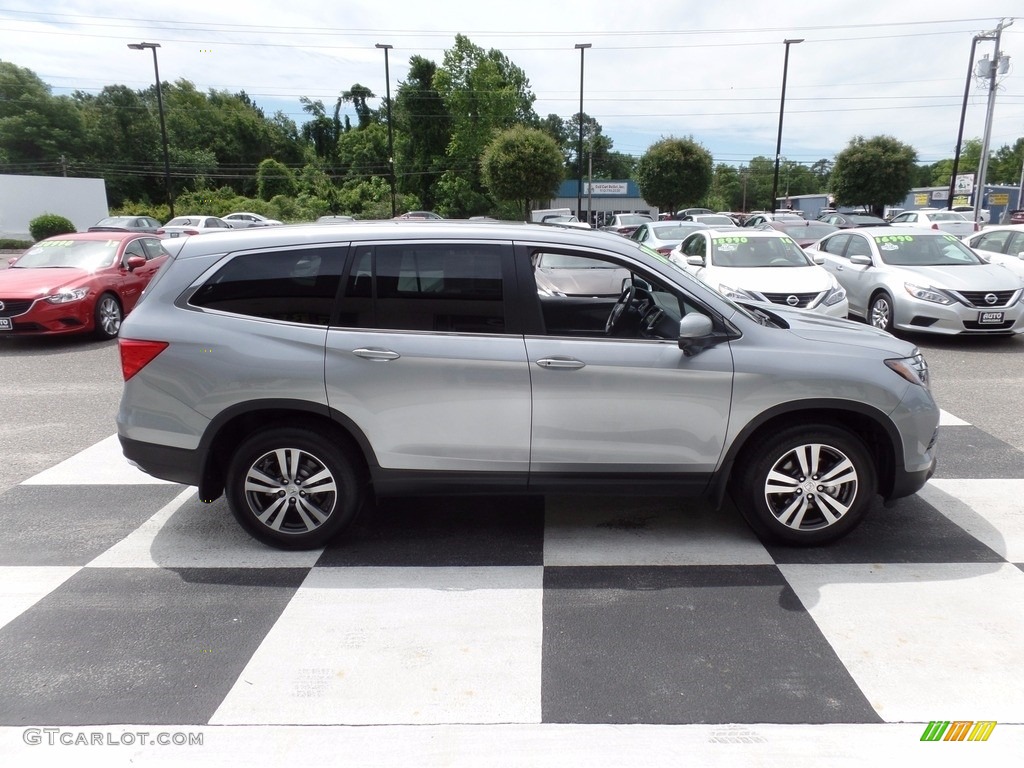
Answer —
(590, 296)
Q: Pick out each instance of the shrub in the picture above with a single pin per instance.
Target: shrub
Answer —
(49, 225)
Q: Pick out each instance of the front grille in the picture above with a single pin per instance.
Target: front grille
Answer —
(974, 325)
(803, 300)
(977, 298)
(13, 307)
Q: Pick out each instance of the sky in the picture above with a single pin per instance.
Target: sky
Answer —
(712, 71)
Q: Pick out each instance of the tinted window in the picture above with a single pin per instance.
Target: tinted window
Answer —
(426, 287)
(296, 286)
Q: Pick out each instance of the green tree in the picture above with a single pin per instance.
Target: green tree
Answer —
(522, 164)
(1007, 163)
(274, 178)
(484, 92)
(357, 96)
(674, 173)
(873, 172)
(423, 131)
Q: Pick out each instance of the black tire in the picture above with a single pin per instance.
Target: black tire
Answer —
(269, 500)
(783, 503)
(881, 311)
(107, 317)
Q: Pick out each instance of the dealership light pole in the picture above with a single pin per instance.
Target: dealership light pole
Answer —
(391, 131)
(782, 109)
(163, 126)
(579, 147)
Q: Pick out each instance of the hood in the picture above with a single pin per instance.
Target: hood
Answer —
(831, 330)
(969, 277)
(810, 279)
(34, 283)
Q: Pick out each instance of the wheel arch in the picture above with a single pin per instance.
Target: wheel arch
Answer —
(873, 428)
(234, 425)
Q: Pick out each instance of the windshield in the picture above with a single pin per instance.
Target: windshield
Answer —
(743, 252)
(80, 254)
(636, 218)
(809, 231)
(715, 220)
(673, 232)
(924, 251)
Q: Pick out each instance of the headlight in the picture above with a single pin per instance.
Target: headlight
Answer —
(927, 294)
(914, 369)
(835, 295)
(70, 295)
(738, 293)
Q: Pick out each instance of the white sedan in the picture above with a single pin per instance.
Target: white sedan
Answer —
(946, 221)
(1001, 245)
(245, 219)
(760, 265)
(183, 226)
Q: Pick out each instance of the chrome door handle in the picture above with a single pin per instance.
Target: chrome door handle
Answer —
(376, 354)
(564, 363)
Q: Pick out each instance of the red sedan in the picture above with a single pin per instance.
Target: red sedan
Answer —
(77, 283)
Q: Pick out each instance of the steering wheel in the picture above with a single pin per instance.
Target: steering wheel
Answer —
(621, 305)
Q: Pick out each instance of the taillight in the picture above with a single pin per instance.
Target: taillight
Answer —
(136, 354)
(190, 232)
(977, 227)
(665, 250)
(935, 226)
(160, 232)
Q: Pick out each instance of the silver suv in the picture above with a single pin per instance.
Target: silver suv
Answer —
(298, 369)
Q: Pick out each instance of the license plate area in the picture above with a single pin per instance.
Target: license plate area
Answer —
(6, 324)
(990, 318)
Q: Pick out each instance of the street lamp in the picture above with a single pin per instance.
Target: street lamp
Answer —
(782, 107)
(579, 147)
(163, 126)
(391, 131)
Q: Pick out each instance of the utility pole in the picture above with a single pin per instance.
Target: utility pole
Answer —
(998, 65)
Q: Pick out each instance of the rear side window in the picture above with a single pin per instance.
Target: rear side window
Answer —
(296, 286)
(457, 287)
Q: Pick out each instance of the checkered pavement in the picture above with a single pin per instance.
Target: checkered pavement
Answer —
(511, 631)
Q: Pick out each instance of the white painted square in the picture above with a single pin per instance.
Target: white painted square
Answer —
(100, 464)
(364, 646)
(22, 586)
(186, 533)
(924, 641)
(990, 510)
(949, 420)
(609, 530)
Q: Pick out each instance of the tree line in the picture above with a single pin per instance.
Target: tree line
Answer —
(467, 141)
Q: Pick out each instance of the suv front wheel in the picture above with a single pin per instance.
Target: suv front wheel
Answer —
(806, 485)
(292, 488)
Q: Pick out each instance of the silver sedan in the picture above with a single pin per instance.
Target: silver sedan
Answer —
(922, 280)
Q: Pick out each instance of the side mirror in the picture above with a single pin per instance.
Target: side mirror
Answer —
(134, 262)
(695, 261)
(863, 261)
(15, 258)
(695, 332)
(818, 259)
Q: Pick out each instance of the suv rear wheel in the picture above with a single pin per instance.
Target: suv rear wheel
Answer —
(292, 488)
(806, 485)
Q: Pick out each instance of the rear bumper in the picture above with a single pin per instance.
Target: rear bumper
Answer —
(177, 465)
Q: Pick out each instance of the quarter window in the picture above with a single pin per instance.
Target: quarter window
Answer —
(295, 286)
